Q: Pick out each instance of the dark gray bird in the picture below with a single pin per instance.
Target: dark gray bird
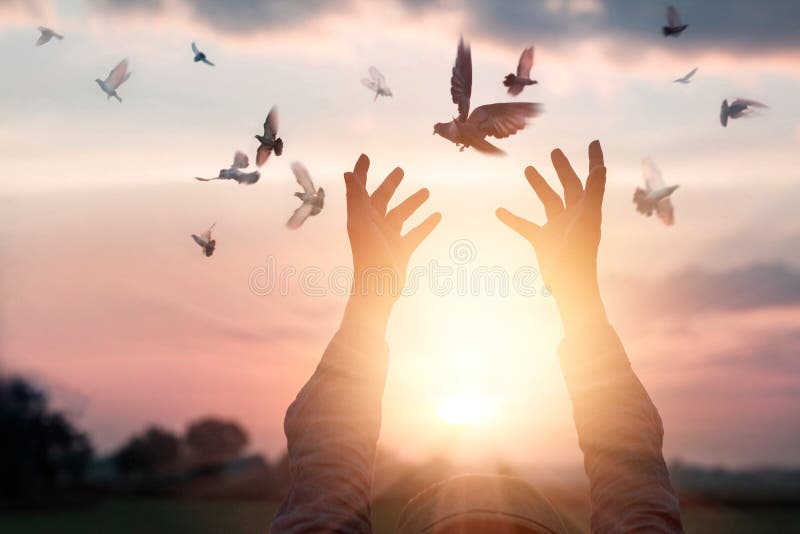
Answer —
(686, 78)
(206, 243)
(313, 199)
(740, 107)
(655, 195)
(46, 35)
(517, 82)
(200, 56)
(234, 172)
(496, 120)
(674, 25)
(269, 141)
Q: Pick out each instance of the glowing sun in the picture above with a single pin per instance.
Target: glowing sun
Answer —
(464, 409)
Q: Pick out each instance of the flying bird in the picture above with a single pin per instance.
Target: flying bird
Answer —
(200, 56)
(740, 107)
(655, 195)
(517, 82)
(116, 77)
(496, 120)
(46, 35)
(313, 199)
(674, 25)
(234, 172)
(206, 243)
(377, 83)
(687, 77)
(269, 141)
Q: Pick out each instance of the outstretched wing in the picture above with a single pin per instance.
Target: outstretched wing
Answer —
(652, 176)
(376, 75)
(525, 63)
(118, 74)
(673, 17)
(200, 240)
(749, 103)
(461, 80)
(369, 84)
(502, 120)
(262, 154)
(665, 211)
(45, 36)
(206, 236)
(240, 160)
(300, 215)
(195, 49)
(303, 178)
(690, 74)
(271, 123)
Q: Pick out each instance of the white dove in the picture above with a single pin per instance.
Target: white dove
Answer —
(116, 77)
(234, 172)
(200, 56)
(655, 196)
(376, 82)
(313, 199)
(517, 82)
(740, 107)
(46, 35)
(687, 77)
(204, 240)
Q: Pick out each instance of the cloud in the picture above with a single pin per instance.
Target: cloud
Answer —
(25, 11)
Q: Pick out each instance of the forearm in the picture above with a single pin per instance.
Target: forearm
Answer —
(620, 433)
(332, 429)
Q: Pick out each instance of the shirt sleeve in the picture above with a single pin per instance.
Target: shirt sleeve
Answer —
(332, 431)
(620, 434)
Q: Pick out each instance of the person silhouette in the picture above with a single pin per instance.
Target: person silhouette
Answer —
(332, 427)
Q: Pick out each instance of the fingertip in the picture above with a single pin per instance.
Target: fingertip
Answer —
(425, 192)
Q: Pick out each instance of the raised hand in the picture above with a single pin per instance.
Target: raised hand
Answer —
(566, 245)
(380, 252)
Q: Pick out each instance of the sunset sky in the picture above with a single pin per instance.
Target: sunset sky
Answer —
(109, 304)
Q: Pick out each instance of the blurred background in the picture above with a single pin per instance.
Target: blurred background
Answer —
(141, 380)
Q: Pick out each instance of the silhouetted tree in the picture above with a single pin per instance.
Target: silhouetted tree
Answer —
(153, 452)
(213, 441)
(40, 451)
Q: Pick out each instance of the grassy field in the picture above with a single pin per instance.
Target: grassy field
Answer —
(174, 517)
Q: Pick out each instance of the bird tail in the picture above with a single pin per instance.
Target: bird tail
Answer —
(642, 205)
(116, 96)
(486, 147)
(665, 30)
(509, 80)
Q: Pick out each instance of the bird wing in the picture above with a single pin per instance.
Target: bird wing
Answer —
(673, 17)
(376, 75)
(199, 240)
(240, 160)
(262, 155)
(206, 236)
(652, 176)
(118, 74)
(300, 215)
(207, 62)
(43, 38)
(690, 74)
(747, 102)
(461, 80)
(370, 84)
(502, 120)
(525, 63)
(723, 113)
(665, 211)
(195, 49)
(271, 123)
(303, 178)
(248, 178)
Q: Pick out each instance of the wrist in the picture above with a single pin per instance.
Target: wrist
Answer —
(580, 307)
(367, 313)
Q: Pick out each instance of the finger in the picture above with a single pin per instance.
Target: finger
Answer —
(596, 188)
(383, 194)
(550, 199)
(417, 235)
(398, 215)
(569, 180)
(361, 168)
(523, 227)
(595, 155)
(356, 195)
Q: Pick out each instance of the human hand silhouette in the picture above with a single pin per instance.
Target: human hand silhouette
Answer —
(566, 246)
(380, 252)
